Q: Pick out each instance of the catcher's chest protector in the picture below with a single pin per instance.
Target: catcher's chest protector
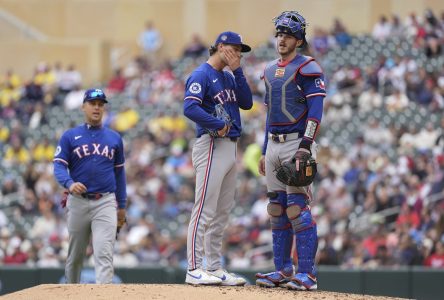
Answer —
(285, 98)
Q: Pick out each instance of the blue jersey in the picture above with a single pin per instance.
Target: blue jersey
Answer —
(294, 97)
(93, 156)
(207, 87)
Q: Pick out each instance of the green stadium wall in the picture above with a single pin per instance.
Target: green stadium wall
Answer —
(405, 282)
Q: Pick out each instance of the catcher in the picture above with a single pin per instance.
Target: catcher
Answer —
(294, 97)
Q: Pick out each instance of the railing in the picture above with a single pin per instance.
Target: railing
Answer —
(26, 30)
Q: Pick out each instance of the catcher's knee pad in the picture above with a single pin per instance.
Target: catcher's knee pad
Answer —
(306, 247)
(281, 230)
(276, 209)
(298, 212)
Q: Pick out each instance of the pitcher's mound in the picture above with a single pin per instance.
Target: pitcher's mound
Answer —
(173, 292)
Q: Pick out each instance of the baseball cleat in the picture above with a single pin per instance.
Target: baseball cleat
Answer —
(200, 277)
(228, 279)
(303, 282)
(274, 279)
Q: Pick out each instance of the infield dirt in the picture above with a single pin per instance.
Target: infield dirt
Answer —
(173, 292)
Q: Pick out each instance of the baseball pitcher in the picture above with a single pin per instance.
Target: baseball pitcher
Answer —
(212, 100)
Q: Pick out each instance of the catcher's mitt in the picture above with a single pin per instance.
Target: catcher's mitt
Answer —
(221, 114)
(288, 174)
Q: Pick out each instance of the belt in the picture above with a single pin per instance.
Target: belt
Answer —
(234, 139)
(283, 137)
(93, 196)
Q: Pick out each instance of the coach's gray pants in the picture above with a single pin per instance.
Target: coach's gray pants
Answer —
(98, 217)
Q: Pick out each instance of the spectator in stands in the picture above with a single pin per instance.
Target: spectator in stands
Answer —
(382, 258)
(340, 33)
(9, 94)
(415, 30)
(195, 47)
(117, 83)
(14, 255)
(396, 27)
(74, 98)
(321, 42)
(426, 92)
(433, 47)
(16, 154)
(382, 29)
(69, 80)
(436, 259)
(12, 79)
(397, 101)
(43, 151)
(376, 135)
(408, 253)
(150, 41)
(369, 100)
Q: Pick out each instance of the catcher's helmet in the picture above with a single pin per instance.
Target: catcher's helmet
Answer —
(93, 94)
(292, 23)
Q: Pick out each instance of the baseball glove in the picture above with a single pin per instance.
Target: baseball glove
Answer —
(300, 170)
(221, 114)
(120, 223)
(64, 199)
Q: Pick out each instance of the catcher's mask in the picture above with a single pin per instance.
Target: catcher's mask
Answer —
(292, 23)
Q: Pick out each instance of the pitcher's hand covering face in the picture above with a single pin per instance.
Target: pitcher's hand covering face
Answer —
(232, 55)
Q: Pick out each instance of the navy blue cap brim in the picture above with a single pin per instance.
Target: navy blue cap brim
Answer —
(245, 48)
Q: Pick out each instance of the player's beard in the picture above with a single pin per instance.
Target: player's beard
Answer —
(285, 49)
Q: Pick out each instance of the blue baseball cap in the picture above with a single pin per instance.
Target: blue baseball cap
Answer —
(93, 94)
(232, 38)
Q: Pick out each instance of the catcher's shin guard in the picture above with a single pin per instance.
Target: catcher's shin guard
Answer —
(281, 230)
(305, 231)
(306, 246)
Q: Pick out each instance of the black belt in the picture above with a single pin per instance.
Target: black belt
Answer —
(93, 196)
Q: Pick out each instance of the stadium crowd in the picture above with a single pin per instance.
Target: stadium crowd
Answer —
(379, 197)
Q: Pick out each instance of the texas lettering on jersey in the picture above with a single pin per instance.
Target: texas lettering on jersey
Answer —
(226, 95)
(97, 149)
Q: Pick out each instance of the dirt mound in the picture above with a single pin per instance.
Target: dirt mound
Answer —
(171, 291)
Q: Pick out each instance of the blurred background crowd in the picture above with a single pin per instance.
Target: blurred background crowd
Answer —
(379, 197)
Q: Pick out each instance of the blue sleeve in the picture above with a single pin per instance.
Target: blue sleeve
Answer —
(243, 92)
(120, 175)
(61, 161)
(195, 90)
(314, 91)
(193, 111)
(62, 175)
(196, 86)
